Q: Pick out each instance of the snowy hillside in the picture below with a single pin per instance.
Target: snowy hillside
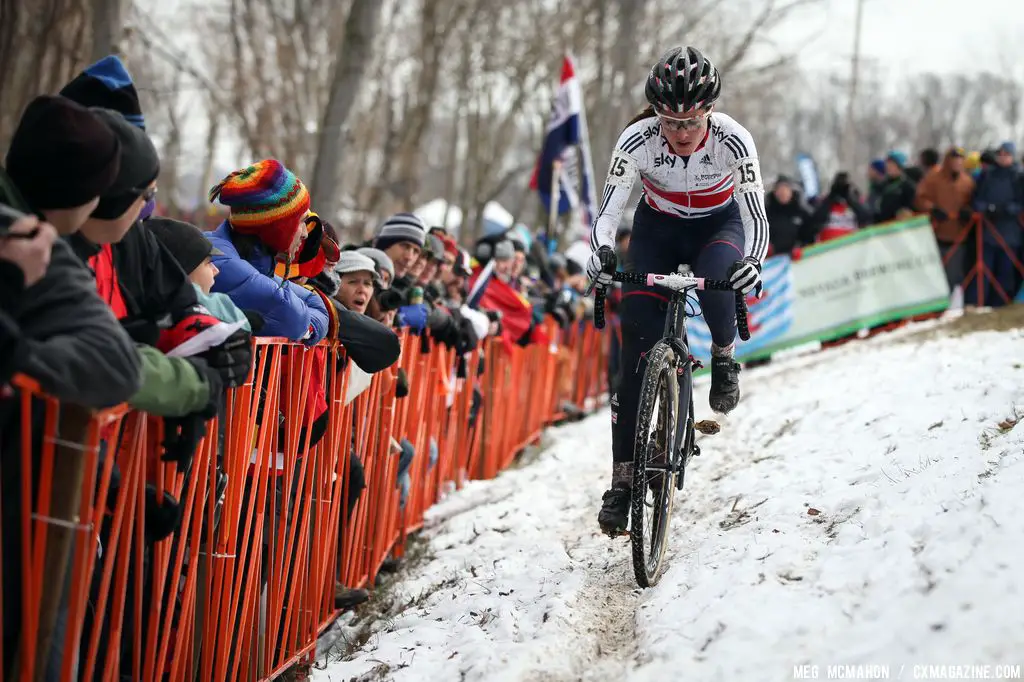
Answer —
(861, 506)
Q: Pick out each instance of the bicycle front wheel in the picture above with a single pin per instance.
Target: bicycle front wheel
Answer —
(654, 464)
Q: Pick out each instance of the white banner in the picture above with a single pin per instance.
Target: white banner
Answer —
(838, 287)
(870, 277)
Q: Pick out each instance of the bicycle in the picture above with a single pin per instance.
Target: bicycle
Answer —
(656, 468)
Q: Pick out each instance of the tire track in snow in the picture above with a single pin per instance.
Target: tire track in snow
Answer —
(605, 608)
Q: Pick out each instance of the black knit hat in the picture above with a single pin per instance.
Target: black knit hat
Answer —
(62, 155)
(140, 165)
(185, 241)
(108, 85)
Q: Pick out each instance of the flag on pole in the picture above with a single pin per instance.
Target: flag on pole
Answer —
(566, 141)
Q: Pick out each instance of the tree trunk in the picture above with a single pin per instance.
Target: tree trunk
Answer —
(350, 66)
(107, 27)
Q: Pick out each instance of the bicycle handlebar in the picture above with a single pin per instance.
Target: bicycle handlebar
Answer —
(676, 282)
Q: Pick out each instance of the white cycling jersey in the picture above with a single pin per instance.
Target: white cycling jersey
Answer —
(723, 169)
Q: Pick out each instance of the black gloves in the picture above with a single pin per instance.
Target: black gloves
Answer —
(232, 359)
(182, 434)
(162, 518)
(402, 383)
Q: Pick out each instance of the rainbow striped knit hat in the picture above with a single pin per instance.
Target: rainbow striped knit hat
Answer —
(266, 200)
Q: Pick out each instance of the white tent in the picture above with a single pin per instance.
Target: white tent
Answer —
(495, 212)
(433, 211)
(580, 252)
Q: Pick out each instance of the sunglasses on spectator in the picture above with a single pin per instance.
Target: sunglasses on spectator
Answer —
(147, 193)
(677, 124)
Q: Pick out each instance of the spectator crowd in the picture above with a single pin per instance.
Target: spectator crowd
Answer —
(961, 193)
(105, 301)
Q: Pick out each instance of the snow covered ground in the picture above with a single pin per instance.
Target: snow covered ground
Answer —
(862, 506)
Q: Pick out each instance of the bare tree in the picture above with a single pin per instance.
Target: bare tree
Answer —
(107, 27)
(351, 60)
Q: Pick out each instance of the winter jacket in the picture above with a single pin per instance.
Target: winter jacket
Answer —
(171, 387)
(1000, 196)
(149, 280)
(370, 344)
(71, 343)
(222, 307)
(789, 223)
(948, 193)
(897, 194)
(288, 309)
(836, 217)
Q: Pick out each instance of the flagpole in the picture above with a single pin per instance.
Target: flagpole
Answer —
(556, 171)
(588, 198)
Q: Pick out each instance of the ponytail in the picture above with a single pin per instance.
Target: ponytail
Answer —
(647, 112)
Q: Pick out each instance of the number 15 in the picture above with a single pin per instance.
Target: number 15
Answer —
(747, 173)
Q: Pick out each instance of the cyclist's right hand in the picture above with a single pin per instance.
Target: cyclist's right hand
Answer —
(602, 266)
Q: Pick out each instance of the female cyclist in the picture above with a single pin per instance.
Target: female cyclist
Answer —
(703, 205)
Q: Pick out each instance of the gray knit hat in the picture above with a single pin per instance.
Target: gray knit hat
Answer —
(353, 261)
(382, 260)
(504, 250)
(401, 227)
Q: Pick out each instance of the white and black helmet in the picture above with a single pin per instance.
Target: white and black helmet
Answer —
(683, 80)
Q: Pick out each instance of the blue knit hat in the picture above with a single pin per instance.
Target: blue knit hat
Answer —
(878, 165)
(899, 157)
(107, 85)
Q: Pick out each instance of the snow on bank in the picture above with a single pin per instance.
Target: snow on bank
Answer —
(861, 506)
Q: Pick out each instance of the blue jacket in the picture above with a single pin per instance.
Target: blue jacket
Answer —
(1000, 192)
(289, 310)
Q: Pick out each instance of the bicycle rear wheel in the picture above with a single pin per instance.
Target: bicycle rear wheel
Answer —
(654, 464)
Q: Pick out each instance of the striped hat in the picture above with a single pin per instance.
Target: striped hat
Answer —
(401, 227)
(266, 200)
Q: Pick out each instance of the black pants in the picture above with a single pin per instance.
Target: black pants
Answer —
(660, 243)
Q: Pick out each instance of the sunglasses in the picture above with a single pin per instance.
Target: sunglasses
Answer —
(147, 193)
(675, 124)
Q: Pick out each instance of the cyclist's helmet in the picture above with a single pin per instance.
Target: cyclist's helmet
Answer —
(683, 80)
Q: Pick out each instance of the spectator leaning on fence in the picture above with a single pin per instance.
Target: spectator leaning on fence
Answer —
(402, 237)
(69, 340)
(268, 206)
(194, 252)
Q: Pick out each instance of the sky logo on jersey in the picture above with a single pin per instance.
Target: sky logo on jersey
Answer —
(566, 141)
(664, 160)
(768, 318)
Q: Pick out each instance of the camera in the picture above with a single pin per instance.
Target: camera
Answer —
(392, 299)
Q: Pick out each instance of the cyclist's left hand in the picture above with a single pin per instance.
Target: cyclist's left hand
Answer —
(602, 266)
(745, 276)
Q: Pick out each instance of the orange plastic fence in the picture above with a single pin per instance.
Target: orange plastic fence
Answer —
(244, 587)
(979, 273)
